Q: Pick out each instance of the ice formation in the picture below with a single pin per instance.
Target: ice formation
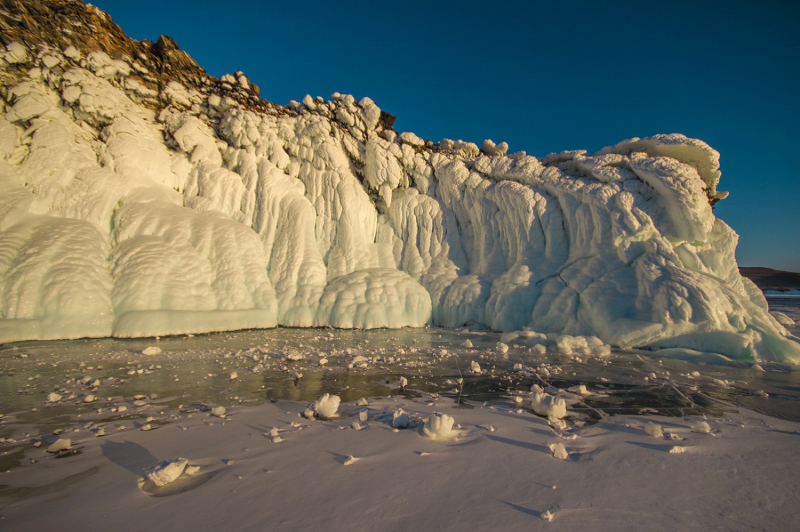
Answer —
(547, 405)
(438, 426)
(140, 196)
(166, 471)
(327, 405)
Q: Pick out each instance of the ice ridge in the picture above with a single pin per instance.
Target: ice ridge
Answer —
(140, 196)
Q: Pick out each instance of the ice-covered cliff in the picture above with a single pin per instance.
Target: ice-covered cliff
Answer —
(140, 196)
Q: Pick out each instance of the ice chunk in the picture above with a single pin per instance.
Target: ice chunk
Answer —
(61, 444)
(548, 405)
(438, 426)
(327, 405)
(400, 419)
(53, 397)
(702, 426)
(559, 451)
(152, 350)
(475, 367)
(218, 411)
(654, 430)
(167, 471)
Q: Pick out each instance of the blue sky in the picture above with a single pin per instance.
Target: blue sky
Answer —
(542, 76)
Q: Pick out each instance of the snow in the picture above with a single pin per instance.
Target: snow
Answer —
(128, 211)
(530, 472)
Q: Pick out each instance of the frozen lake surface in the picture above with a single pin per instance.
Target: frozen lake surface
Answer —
(194, 374)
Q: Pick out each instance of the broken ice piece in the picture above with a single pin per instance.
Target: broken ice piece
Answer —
(274, 432)
(403, 382)
(61, 444)
(363, 416)
(654, 430)
(327, 405)
(580, 389)
(356, 425)
(557, 424)
(166, 471)
(559, 451)
(490, 428)
(362, 402)
(277, 439)
(675, 449)
(218, 411)
(89, 398)
(547, 405)
(53, 397)
(233, 376)
(146, 427)
(400, 419)
(702, 426)
(475, 367)
(192, 470)
(548, 514)
(152, 350)
(351, 459)
(438, 426)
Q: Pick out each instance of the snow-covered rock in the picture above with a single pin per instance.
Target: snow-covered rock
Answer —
(134, 208)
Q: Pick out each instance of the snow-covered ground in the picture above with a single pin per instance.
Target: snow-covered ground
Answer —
(239, 407)
(266, 467)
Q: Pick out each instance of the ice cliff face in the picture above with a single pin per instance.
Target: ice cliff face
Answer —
(140, 196)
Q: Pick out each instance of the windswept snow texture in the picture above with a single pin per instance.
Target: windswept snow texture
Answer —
(127, 209)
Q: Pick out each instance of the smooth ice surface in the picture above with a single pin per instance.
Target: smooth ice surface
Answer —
(130, 208)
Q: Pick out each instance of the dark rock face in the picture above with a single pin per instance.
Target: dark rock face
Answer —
(769, 279)
(61, 23)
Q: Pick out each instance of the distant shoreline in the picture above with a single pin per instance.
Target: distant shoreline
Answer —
(769, 279)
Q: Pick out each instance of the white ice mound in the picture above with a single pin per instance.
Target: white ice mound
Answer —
(547, 405)
(327, 405)
(167, 471)
(438, 426)
(369, 299)
(138, 206)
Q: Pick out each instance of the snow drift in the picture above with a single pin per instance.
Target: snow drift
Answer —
(140, 196)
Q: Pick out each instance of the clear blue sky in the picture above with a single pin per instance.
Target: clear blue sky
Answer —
(542, 76)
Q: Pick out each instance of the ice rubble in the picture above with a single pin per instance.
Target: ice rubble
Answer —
(130, 210)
